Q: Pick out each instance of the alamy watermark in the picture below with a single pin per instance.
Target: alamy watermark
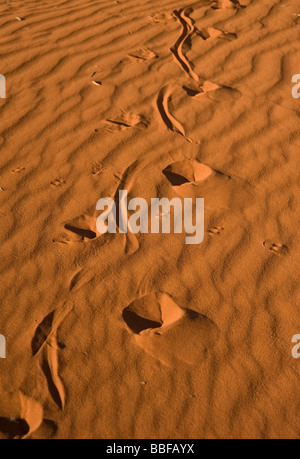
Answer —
(296, 89)
(2, 347)
(186, 214)
(296, 348)
(296, 95)
(2, 87)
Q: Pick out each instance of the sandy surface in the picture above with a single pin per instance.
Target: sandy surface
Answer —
(107, 95)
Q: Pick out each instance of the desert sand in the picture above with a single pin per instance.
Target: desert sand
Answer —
(121, 336)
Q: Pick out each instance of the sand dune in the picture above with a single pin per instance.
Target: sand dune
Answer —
(143, 336)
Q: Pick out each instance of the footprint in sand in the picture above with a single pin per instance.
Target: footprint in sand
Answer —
(221, 34)
(78, 230)
(142, 55)
(169, 333)
(124, 121)
(210, 33)
(161, 17)
(192, 179)
(12, 428)
(213, 91)
(276, 248)
(30, 419)
(98, 168)
(187, 171)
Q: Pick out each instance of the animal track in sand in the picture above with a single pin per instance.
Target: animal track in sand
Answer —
(79, 279)
(163, 100)
(30, 419)
(213, 91)
(124, 121)
(217, 33)
(80, 229)
(188, 29)
(161, 17)
(142, 55)
(211, 33)
(169, 333)
(98, 168)
(276, 248)
(32, 412)
(57, 182)
(11, 428)
(48, 326)
(18, 170)
(42, 332)
(225, 4)
(187, 171)
(216, 231)
(49, 367)
(83, 229)
(192, 179)
(45, 343)
(137, 323)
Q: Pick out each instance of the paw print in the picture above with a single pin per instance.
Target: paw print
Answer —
(58, 182)
(276, 248)
(18, 170)
(216, 231)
